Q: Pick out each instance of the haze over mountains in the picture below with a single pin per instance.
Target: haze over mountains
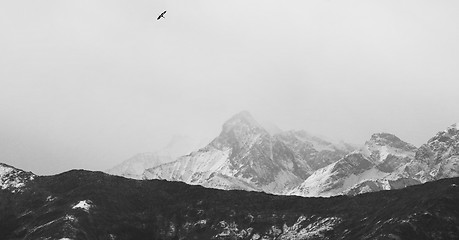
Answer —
(247, 156)
(135, 166)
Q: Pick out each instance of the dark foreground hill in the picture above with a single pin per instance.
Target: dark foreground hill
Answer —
(93, 205)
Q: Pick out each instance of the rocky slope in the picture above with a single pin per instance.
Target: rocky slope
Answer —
(246, 156)
(92, 205)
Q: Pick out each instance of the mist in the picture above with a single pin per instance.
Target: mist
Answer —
(88, 84)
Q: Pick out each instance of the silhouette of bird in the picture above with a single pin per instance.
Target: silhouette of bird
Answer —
(161, 15)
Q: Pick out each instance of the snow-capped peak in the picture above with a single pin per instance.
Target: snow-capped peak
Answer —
(390, 140)
(240, 130)
(450, 135)
(243, 118)
(388, 151)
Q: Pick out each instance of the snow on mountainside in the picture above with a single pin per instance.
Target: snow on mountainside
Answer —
(438, 158)
(394, 164)
(136, 165)
(338, 177)
(388, 152)
(316, 151)
(246, 156)
(367, 170)
(385, 183)
(13, 179)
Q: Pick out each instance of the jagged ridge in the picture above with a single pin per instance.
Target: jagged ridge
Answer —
(93, 205)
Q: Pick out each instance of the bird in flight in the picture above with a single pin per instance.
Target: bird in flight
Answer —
(161, 15)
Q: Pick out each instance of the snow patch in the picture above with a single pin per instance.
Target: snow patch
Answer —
(316, 229)
(70, 218)
(85, 205)
(201, 222)
(50, 198)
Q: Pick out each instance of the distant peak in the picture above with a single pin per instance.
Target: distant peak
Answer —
(243, 115)
(242, 118)
(385, 136)
(388, 139)
(450, 133)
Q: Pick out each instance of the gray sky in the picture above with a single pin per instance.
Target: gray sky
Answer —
(89, 83)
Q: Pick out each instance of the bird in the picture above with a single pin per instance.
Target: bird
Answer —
(161, 15)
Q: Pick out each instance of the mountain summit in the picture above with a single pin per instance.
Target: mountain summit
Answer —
(388, 151)
(241, 120)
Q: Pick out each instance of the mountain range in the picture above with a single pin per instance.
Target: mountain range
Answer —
(385, 189)
(246, 156)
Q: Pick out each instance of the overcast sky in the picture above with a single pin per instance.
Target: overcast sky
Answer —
(89, 83)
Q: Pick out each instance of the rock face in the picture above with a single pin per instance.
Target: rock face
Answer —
(246, 156)
(13, 179)
(93, 205)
